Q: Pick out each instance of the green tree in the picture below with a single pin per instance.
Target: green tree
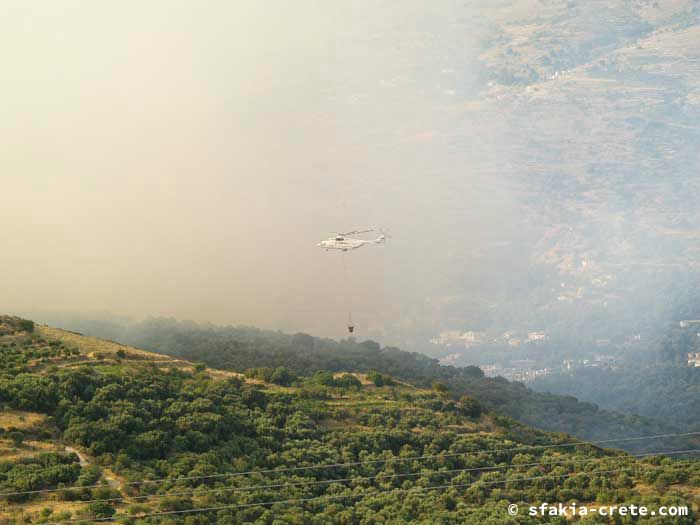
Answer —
(470, 407)
(440, 387)
(100, 509)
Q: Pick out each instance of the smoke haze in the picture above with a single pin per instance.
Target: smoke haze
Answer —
(180, 159)
(183, 159)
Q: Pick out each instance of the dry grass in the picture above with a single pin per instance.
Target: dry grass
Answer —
(10, 452)
(29, 509)
(20, 419)
(95, 351)
(90, 345)
(224, 374)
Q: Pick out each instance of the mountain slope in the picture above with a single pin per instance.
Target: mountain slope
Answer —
(237, 349)
(663, 392)
(589, 113)
(161, 439)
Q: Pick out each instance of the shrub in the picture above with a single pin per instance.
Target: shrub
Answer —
(17, 437)
(440, 388)
(380, 379)
(26, 325)
(100, 509)
(282, 376)
(470, 407)
(348, 381)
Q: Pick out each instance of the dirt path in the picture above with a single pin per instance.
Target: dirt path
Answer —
(81, 457)
(109, 476)
(112, 480)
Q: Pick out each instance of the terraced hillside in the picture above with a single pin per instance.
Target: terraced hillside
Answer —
(589, 112)
(240, 348)
(601, 101)
(95, 431)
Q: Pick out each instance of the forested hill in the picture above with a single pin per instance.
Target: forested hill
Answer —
(93, 431)
(665, 391)
(242, 348)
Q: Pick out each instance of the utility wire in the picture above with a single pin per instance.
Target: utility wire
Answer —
(339, 496)
(358, 463)
(491, 468)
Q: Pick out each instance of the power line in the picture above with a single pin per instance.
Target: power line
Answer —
(341, 496)
(358, 463)
(491, 468)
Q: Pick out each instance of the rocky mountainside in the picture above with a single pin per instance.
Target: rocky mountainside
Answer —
(592, 110)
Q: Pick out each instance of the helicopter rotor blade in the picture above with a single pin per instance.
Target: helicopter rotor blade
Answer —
(356, 232)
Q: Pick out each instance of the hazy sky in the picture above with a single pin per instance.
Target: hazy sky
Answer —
(184, 158)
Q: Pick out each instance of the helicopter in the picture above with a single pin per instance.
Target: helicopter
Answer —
(341, 241)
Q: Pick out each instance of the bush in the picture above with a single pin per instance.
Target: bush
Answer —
(323, 377)
(380, 379)
(313, 391)
(100, 509)
(440, 388)
(345, 381)
(470, 407)
(26, 325)
(17, 437)
(282, 376)
(348, 381)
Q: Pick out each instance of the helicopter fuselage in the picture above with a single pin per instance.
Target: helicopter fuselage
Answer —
(346, 243)
(343, 244)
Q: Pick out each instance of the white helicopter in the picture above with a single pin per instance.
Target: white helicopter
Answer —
(342, 242)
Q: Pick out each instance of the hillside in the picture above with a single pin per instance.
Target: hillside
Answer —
(237, 349)
(657, 383)
(663, 392)
(588, 112)
(92, 428)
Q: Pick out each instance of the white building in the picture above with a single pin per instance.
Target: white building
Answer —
(466, 339)
(536, 336)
